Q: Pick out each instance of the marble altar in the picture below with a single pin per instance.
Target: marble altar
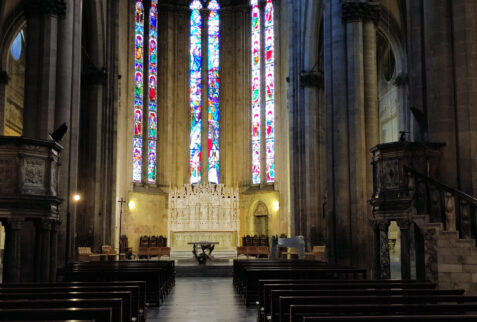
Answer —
(203, 212)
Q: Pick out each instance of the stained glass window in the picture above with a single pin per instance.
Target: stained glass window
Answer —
(213, 91)
(152, 135)
(195, 91)
(269, 95)
(256, 92)
(138, 97)
(145, 106)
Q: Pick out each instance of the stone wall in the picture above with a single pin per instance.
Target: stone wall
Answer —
(457, 262)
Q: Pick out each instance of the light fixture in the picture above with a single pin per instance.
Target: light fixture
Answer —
(76, 197)
(276, 205)
(131, 205)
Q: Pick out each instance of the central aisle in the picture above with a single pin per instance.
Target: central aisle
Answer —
(197, 299)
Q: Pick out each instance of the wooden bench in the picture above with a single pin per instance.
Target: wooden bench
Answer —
(114, 303)
(276, 312)
(266, 302)
(158, 275)
(298, 312)
(125, 296)
(388, 318)
(57, 314)
(285, 302)
(134, 290)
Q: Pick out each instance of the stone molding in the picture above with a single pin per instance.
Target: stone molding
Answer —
(361, 11)
(45, 7)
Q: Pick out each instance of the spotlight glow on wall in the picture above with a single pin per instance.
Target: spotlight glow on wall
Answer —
(131, 205)
(76, 197)
(276, 205)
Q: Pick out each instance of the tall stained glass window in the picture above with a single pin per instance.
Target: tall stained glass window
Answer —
(195, 88)
(256, 92)
(262, 65)
(213, 97)
(145, 106)
(195, 91)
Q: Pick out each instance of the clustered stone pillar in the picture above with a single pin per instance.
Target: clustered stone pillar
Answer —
(13, 242)
(384, 262)
(40, 71)
(404, 225)
(42, 252)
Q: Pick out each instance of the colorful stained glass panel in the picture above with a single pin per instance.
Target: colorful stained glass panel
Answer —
(256, 92)
(138, 91)
(269, 92)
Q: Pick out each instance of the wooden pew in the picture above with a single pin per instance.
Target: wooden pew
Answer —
(298, 312)
(125, 297)
(59, 314)
(266, 302)
(114, 303)
(288, 283)
(134, 290)
(140, 297)
(285, 302)
(158, 275)
(275, 310)
(387, 318)
(250, 287)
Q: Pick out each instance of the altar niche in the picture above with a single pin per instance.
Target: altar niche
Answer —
(203, 212)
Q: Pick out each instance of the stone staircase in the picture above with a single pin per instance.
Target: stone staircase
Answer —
(456, 258)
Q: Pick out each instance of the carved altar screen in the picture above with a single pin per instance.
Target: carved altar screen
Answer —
(203, 212)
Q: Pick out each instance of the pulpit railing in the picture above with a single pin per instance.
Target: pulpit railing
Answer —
(455, 209)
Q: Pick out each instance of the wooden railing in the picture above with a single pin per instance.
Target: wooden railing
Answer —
(454, 208)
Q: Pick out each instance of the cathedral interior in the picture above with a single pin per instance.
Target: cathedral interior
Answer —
(351, 123)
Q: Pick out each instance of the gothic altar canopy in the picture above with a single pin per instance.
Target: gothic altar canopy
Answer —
(204, 212)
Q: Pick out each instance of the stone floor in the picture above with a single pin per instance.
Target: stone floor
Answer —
(195, 299)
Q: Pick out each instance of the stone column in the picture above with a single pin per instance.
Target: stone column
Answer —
(54, 250)
(371, 108)
(440, 85)
(43, 232)
(68, 83)
(404, 226)
(384, 263)
(41, 61)
(13, 241)
(337, 138)
(377, 250)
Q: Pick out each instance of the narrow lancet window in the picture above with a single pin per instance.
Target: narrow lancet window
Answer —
(213, 92)
(138, 90)
(256, 92)
(195, 88)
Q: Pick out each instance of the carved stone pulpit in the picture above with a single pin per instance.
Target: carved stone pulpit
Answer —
(29, 193)
(392, 197)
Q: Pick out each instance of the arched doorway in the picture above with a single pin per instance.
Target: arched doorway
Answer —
(260, 220)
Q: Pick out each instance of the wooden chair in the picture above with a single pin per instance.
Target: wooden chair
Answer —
(144, 241)
(153, 251)
(263, 250)
(153, 241)
(241, 250)
(165, 251)
(252, 251)
(142, 252)
(85, 254)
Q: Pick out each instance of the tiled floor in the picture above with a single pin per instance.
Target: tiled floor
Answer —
(195, 299)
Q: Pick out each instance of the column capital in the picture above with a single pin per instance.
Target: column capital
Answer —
(403, 223)
(45, 7)
(44, 224)
(361, 11)
(15, 223)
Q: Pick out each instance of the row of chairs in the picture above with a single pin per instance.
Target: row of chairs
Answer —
(152, 241)
(255, 240)
(257, 251)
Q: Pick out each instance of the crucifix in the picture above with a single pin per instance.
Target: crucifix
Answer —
(121, 202)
